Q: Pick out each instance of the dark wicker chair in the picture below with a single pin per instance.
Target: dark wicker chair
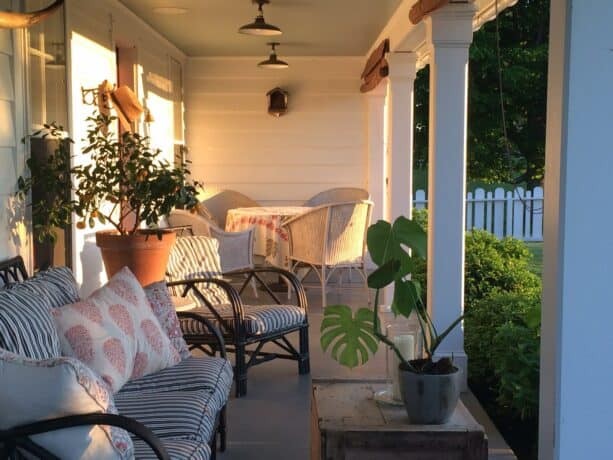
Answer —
(246, 328)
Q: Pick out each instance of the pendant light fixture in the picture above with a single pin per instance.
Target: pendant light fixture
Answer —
(259, 26)
(273, 62)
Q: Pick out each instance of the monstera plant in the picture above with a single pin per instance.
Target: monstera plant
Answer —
(352, 339)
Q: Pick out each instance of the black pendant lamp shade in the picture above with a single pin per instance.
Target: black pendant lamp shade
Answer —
(273, 62)
(259, 26)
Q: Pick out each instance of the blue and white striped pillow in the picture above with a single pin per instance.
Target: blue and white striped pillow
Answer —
(26, 325)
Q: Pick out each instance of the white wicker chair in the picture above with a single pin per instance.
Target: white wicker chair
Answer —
(338, 195)
(329, 238)
(217, 205)
(198, 224)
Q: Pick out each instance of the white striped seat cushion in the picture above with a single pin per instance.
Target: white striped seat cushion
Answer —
(26, 325)
(196, 257)
(191, 374)
(178, 449)
(174, 414)
(259, 319)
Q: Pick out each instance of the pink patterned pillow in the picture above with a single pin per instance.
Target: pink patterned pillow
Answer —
(164, 310)
(115, 332)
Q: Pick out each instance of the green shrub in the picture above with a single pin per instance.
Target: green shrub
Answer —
(494, 265)
(515, 358)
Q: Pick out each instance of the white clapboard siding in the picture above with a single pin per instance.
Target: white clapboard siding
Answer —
(235, 144)
(517, 213)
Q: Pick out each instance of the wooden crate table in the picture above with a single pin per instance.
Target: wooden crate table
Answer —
(347, 424)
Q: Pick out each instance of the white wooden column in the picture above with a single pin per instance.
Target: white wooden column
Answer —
(376, 149)
(576, 407)
(399, 157)
(399, 147)
(449, 37)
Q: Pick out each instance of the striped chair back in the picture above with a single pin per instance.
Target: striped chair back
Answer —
(194, 257)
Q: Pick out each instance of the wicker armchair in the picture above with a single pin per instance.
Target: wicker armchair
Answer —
(328, 238)
(246, 328)
(217, 205)
(337, 195)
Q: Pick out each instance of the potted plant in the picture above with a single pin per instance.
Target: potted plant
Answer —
(124, 184)
(430, 388)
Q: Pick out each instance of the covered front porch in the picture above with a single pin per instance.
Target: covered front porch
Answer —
(206, 103)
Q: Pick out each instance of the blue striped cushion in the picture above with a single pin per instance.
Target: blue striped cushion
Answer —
(178, 449)
(63, 279)
(191, 374)
(173, 414)
(196, 257)
(259, 319)
(26, 325)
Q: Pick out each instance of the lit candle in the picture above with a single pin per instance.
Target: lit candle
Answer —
(405, 343)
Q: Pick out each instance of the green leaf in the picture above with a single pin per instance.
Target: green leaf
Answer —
(412, 235)
(350, 337)
(377, 239)
(383, 275)
(388, 242)
(406, 297)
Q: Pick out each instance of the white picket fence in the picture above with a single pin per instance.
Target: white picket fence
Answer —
(517, 213)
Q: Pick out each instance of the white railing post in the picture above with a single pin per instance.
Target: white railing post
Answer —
(420, 199)
(518, 212)
(528, 206)
(537, 214)
(469, 211)
(479, 209)
(498, 229)
(489, 201)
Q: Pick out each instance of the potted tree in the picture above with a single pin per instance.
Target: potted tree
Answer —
(430, 387)
(125, 185)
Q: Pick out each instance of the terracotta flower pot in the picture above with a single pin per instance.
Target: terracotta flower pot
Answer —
(145, 253)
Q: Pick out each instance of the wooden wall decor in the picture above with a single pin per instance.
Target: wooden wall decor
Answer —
(423, 8)
(376, 68)
(11, 20)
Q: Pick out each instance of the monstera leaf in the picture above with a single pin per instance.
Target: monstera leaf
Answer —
(351, 338)
(388, 242)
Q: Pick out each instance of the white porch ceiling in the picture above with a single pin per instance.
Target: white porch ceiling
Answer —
(310, 27)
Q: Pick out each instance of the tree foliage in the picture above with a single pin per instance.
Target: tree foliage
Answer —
(124, 184)
(524, 32)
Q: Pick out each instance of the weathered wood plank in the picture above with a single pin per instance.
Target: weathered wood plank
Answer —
(351, 425)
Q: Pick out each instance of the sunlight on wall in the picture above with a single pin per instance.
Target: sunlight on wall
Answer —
(161, 130)
(92, 63)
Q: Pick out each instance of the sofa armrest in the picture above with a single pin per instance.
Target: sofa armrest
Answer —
(233, 295)
(292, 279)
(18, 436)
(221, 345)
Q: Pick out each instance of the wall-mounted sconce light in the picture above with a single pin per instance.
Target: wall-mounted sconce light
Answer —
(277, 102)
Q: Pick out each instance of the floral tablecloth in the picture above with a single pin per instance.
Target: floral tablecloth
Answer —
(270, 239)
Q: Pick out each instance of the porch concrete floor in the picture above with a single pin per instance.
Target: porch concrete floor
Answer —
(273, 421)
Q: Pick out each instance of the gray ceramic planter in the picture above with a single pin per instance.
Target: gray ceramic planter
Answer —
(429, 399)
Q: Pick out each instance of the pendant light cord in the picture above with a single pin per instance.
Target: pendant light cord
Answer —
(505, 133)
